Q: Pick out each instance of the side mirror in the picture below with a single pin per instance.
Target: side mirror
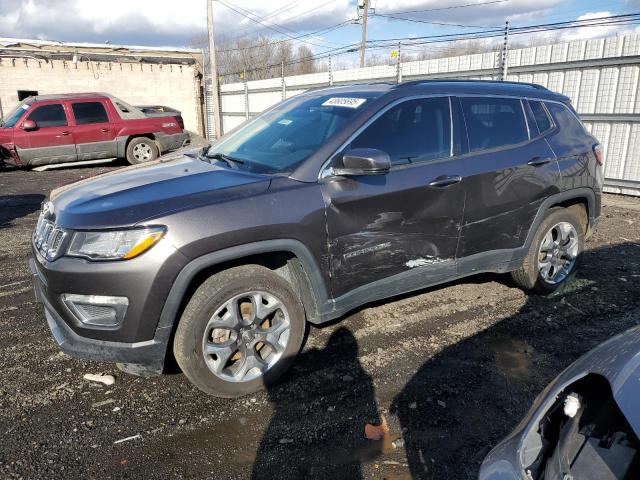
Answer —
(364, 161)
(29, 125)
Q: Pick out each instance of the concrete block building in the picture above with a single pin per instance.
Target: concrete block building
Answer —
(139, 75)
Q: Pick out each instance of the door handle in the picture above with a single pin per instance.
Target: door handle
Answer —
(63, 134)
(537, 161)
(104, 130)
(445, 180)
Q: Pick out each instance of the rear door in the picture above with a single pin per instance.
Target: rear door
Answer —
(51, 142)
(508, 173)
(94, 132)
(384, 225)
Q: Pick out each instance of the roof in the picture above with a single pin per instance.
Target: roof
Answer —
(484, 87)
(67, 96)
(17, 42)
(451, 86)
(101, 52)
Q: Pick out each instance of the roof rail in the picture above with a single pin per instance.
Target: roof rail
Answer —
(463, 80)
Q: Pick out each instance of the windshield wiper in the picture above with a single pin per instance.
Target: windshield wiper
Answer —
(225, 158)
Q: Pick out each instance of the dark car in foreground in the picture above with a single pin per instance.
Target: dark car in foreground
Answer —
(584, 426)
(72, 127)
(327, 201)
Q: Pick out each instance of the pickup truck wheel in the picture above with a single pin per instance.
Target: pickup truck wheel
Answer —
(241, 330)
(140, 150)
(554, 253)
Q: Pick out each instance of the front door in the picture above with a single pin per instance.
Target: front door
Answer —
(95, 135)
(396, 223)
(50, 142)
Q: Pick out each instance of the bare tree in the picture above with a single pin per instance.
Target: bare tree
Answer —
(257, 57)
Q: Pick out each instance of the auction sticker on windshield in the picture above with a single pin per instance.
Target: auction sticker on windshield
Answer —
(349, 102)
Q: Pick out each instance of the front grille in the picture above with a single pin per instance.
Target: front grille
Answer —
(48, 238)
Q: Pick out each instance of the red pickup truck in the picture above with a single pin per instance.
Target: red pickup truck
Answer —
(87, 126)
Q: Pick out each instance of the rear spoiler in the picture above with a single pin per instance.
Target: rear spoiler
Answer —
(158, 111)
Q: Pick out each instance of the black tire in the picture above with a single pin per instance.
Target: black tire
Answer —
(207, 299)
(141, 150)
(528, 276)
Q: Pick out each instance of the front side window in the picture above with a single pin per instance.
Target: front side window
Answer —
(49, 116)
(89, 112)
(494, 122)
(540, 114)
(412, 131)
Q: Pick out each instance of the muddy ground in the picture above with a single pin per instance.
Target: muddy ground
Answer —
(451, 369)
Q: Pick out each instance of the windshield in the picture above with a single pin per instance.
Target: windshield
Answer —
(14, 115)
(282, 138)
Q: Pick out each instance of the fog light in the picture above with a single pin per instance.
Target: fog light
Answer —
(97, 310)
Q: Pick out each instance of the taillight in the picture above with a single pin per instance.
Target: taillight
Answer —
(180, 121)
(597, 152)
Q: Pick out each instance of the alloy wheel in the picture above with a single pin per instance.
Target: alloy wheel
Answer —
(558, 253)
(246, 336)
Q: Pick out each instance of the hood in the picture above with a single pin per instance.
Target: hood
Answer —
(618, 360)
(141, 192)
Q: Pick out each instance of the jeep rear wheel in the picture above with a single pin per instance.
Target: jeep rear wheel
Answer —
(140, 150)
(240, 331)
(554, 253)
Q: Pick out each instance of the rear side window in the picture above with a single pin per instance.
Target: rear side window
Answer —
(49, 116)
(542, 118)
(412, 131)
(494, 122)
(566, 119)
(89, 112)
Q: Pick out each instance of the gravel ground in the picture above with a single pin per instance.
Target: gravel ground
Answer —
(451, 369)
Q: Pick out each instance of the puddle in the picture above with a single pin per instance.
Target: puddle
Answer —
(572, 286)
(513, 357)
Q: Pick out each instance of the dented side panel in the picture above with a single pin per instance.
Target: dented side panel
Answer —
(504, 194)
(379, 226)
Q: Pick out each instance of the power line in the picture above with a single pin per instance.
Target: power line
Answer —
(271, 15)
(627, 19)
(442, 24)
(548, 26)
(328, 29)
(299, 15)
(451, 7)
(277, 28)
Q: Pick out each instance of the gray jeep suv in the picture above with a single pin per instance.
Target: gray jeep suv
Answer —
(327, 201)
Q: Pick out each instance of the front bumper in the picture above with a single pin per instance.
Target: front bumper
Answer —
(148, 356)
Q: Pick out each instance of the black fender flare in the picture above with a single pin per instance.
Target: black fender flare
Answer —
(575, 193)
(168, 317)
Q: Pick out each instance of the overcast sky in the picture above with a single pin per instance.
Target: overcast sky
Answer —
(175, 23)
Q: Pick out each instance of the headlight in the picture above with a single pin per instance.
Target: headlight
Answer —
(114, 244)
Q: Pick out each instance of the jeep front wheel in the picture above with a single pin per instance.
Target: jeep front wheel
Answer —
(241, 330)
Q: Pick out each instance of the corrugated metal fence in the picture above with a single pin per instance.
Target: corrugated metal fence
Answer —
(600, 76)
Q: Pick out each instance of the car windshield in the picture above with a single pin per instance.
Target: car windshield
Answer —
(282, 138)
(14, 115)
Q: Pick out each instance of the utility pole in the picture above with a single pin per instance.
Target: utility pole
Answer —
(505, 47)
(363, 46)
(213, 73)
